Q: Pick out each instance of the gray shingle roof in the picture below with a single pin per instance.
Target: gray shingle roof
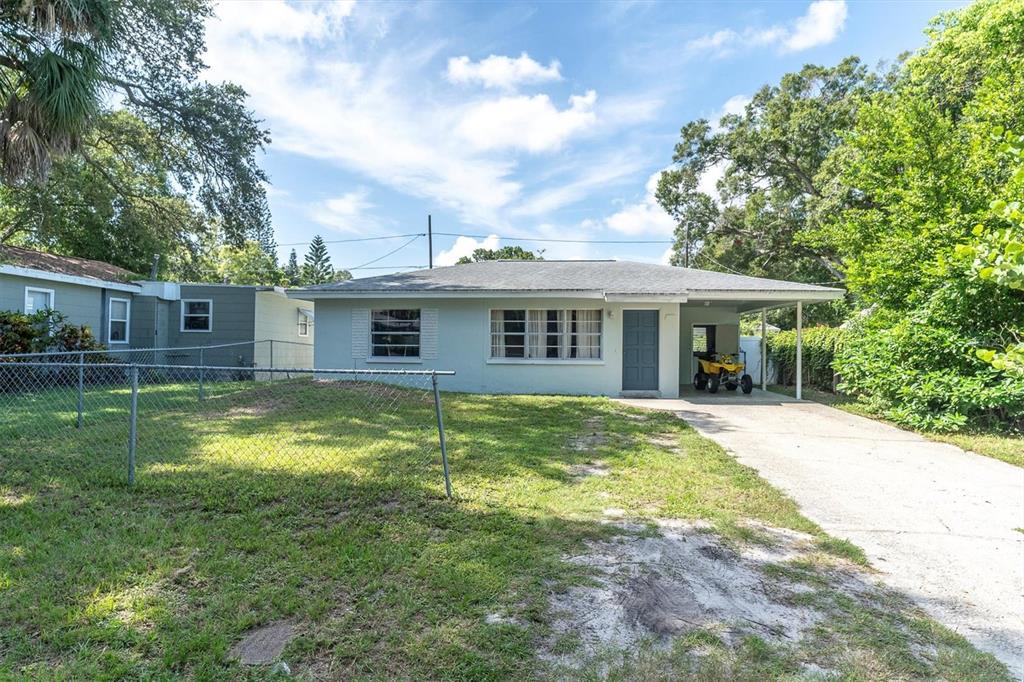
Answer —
(604, 276)
(64, 265)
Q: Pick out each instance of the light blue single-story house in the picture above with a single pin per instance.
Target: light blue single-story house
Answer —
(583, 327)
(126, 312)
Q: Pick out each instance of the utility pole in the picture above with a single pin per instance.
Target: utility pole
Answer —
(686, 251)
(430, 244)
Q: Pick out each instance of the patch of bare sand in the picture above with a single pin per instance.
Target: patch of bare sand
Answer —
(651, 588)
(588, 469)
(592, 437)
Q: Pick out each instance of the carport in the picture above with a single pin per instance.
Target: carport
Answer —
(720, 311)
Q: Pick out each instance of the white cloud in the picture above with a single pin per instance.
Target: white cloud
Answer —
(590, 175)
(532, 123)
(644, 217)
(820, 25)
(502, 72)
(284, 20)
(465, 246)
(362, 114)
(708, 181)
(347, 213)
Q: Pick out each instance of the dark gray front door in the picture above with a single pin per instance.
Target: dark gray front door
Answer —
(639, 350)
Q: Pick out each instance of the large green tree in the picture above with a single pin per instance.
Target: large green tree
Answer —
(911, 181)
(503, 253)
(61, 61)
(248, 264)
(769, 158)
(121, 206)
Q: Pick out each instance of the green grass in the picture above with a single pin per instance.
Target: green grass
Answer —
(323, 505)
(1008, 447)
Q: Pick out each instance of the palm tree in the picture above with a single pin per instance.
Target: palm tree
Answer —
(51, 54)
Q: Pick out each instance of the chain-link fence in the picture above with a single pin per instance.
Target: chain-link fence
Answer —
(268, 353)
(116, 422)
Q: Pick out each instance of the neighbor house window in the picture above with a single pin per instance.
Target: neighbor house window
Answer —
(305, 321)
(38, 299)
(117, 320)
(196, 315)
(395, 333)
(561, 334)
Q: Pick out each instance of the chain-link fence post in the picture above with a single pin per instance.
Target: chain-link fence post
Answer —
(202, 372)
(271, 358)
(133, 426)
(81, 388)
(440, 435)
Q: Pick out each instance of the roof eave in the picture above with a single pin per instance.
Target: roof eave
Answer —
(19, 271)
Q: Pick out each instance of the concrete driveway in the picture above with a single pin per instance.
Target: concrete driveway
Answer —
(937, 521)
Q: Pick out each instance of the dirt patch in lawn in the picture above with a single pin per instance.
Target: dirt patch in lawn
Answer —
(652, 587)
(592, 437)
(588, 469)
(263, 645)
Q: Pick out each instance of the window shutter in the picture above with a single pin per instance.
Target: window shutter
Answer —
(428, 333)
(360, 333)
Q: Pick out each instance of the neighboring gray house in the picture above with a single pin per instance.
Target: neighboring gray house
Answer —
(92, 293)
(576, 327)
(127, 314)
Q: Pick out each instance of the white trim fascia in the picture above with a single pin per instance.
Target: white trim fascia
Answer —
(311, 295)
(127, 320)
(755, 295)
(646, 298)
(687, 297)
(32, 273)
(181, 316)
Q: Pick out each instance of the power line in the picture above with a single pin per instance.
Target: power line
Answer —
(564, 241)
(393, 251)
(360, 239)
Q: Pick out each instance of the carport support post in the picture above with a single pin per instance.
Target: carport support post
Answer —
(81, 388)
(799, 350)
(440, 435)
(764, 349)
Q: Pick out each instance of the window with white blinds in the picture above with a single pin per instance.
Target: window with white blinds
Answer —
(559, 334)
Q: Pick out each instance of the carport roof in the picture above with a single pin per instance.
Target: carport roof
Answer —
(607, 279)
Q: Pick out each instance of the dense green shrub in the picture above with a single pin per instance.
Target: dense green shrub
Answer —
(819, 349)
(46, 331)
(920, 368)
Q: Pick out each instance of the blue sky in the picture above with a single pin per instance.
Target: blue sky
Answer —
(516, 120)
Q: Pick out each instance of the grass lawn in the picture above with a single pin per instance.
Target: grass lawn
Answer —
(322, 506)
(1007, 447)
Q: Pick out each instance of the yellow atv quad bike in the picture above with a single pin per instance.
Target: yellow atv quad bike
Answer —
(722, 368)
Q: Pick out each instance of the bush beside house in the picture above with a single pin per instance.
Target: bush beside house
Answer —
(819, 350)
(46, 331)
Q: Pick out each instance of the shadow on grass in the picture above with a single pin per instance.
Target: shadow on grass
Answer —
(323, 506)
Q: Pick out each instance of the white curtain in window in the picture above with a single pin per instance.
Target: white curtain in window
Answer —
(536, 321)
(588, 334)
(497, 334)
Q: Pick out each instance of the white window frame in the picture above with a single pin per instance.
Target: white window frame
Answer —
(127, 319)
(396, 358)
(184, 307)
(525, 360)
(40, 290)
(304, 322)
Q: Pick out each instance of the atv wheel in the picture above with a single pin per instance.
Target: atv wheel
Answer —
(746, 383)
(713, 383)
(700, 381)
